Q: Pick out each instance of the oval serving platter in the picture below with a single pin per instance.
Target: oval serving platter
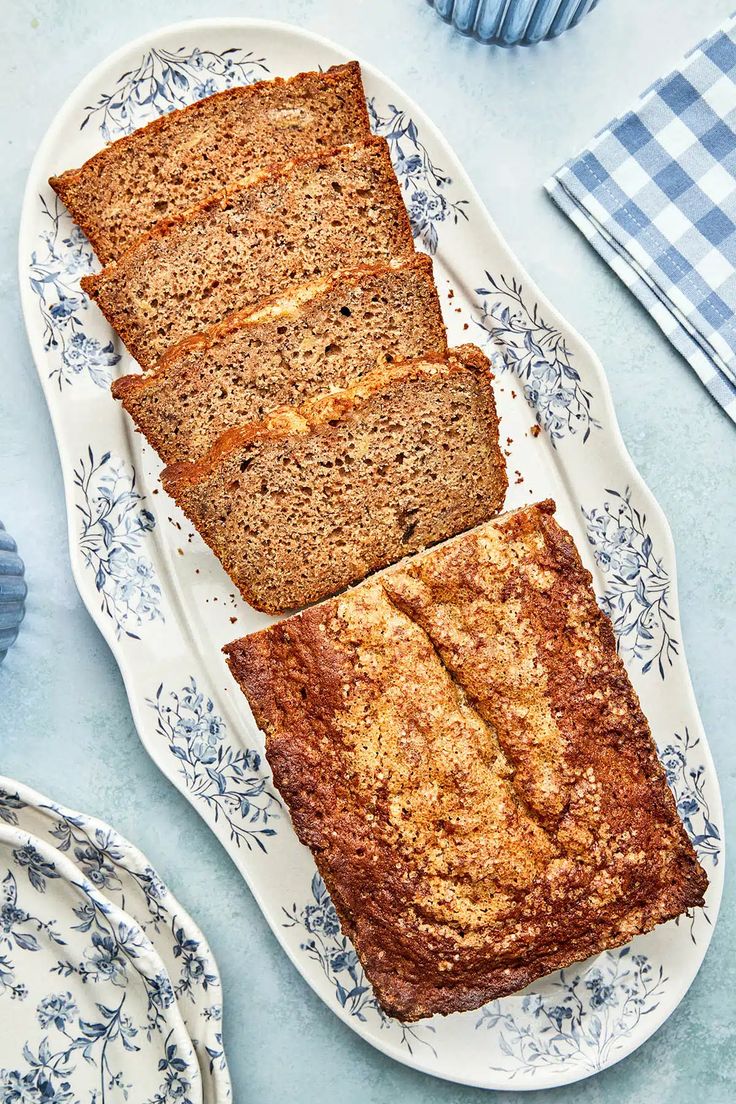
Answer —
(166, 607)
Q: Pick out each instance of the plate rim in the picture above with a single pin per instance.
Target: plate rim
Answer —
(47, 807)
(73, 876)
(603, 394)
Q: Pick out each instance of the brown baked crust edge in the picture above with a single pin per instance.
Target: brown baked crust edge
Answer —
(249, 661)
(317, 412)
(135, 382)
(62, 184)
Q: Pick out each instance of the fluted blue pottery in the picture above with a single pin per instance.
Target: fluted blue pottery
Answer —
(13, 591)
(513, 22)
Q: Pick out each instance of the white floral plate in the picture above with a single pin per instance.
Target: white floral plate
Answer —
(166, 608)
(125, 877)
(93, 1013)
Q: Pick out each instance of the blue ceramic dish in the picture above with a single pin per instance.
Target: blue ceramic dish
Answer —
(13, 591)
(513, 22)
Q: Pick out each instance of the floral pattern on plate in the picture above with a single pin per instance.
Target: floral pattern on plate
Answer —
(688, 780)
(424, 184)
(325, 944)
(637, 594)
(580, 1018)
(686, 776)
(94, 1014)
(63, 256)
(538, 355)
(164, 80)
(119, 871)
(227, 779)
(114, 523)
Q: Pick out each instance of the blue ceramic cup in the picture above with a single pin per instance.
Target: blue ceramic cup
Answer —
(513, 22)
(13, 591)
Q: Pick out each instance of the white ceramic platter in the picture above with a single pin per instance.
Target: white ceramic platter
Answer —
(88, 1010)
(124, 876)
(166, 607)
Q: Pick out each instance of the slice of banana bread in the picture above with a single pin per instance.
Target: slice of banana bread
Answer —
(311, 499)
(324, 336)
(283, 226)
(185, 156)
(459, 744)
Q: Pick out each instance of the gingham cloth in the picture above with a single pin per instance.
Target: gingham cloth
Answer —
(655, 194)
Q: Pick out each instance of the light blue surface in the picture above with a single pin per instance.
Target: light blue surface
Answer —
(513, 117)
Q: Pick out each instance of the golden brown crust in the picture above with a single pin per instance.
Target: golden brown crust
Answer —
(396, 732)
(76, 187)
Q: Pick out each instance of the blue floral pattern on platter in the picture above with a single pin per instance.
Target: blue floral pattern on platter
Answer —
(424, 184)
(117, 870)
(638, 584)
(228, 780)
(63, 257)
(114, 524)
(62, 1046)
(580, 1019)
(168, 79)
(537, 354)
(325, 944)
(687, 780)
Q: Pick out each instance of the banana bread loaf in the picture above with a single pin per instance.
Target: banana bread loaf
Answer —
(458, 742)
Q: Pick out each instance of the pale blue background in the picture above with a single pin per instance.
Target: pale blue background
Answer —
(513, 117)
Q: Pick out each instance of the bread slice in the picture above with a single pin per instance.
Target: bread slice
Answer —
(283, 226)
(459, 744)
(324, 336)
(311, 499)
(185, 156)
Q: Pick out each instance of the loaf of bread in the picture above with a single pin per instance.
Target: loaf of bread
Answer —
(321, 337)
(313, 498)
(187, 155)
(458, 742)
(282, 226)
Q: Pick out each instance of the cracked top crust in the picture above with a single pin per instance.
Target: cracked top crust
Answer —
(459, 744)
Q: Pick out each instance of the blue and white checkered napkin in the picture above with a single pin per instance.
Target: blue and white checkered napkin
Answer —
(655, 194)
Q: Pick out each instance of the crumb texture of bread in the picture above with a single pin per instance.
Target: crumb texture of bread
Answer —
(458, 742)
(285, 226)
(181, 158)
(324, 337)
(314, 498)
